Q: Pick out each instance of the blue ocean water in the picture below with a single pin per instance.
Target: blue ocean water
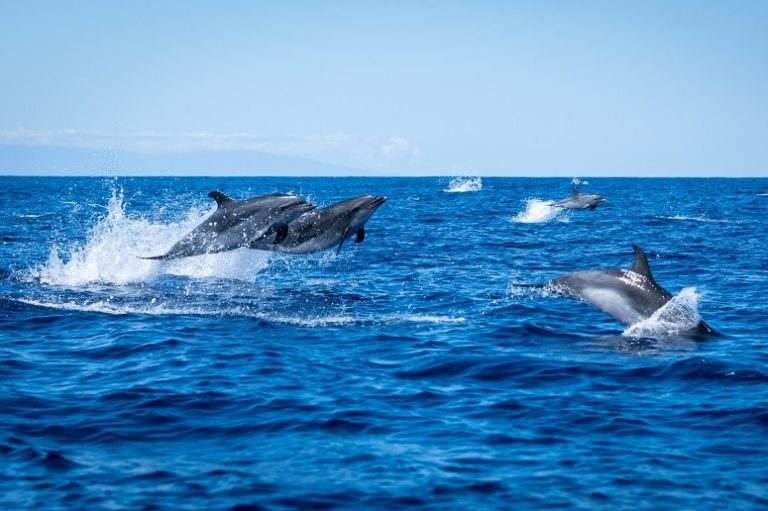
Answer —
(408, 372)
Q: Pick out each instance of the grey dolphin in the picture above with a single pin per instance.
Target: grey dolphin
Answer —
(327, 227)
(580, 200)
(236, 224)
(628, 295)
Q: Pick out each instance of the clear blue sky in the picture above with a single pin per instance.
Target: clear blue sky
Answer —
(429, 87)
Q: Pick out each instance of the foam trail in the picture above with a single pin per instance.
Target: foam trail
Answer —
(538, 211)
(114, 307)
(464, 184)
(678, 315)
(110, 254)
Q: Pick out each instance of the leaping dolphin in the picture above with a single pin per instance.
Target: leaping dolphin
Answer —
(628, 295)
(236, 224)
(328, 227)
(580, 200)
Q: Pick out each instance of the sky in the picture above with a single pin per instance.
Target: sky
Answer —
(539, 88)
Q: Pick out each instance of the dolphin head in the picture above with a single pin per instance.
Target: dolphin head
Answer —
(362, 209)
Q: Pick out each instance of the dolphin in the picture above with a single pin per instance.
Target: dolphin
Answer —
(628, 295)
(327, 227)
(579, 200)
(236, 224)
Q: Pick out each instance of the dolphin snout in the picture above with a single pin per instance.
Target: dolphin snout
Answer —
(373, 203)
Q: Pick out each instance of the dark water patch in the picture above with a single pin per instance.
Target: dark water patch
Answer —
(125, 349)
(57, 461)
(439, 370)
(700, 369)
(251, 506)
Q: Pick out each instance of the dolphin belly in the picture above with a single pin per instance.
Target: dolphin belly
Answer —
(613, 303)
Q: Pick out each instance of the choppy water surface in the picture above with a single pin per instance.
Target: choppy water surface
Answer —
(408, 372)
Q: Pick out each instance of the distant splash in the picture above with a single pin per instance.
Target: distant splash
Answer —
(538, 211)
(464, 184)
(578, 182)
(112, 250)
(679, 315)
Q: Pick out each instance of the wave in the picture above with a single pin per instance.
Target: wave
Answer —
(679, 315)
(693, 219)
(764, 194)
(538, 211)
(464, 184)
(113, 247)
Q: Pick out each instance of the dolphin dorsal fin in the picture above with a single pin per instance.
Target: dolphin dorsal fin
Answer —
(220, 198)
(640, 266)
(576, 192)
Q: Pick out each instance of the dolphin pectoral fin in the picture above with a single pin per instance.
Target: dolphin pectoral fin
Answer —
(281, 234)
(343, 238)
(640, 266)
(360, 235)
(220, 198)
(592, 207)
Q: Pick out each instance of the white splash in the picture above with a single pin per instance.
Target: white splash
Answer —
(464, 184)
(539, 211)
(577, 182)
(113, 247)
(680, 314)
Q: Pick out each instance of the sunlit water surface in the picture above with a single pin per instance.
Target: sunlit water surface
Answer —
(408, 372)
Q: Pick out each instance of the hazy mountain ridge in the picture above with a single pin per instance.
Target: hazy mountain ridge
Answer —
(56, 160)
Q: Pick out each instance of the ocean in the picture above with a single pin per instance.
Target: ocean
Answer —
(411, 371)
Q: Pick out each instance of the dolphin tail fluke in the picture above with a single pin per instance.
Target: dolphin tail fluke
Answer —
(704, 328)
(360, 235)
